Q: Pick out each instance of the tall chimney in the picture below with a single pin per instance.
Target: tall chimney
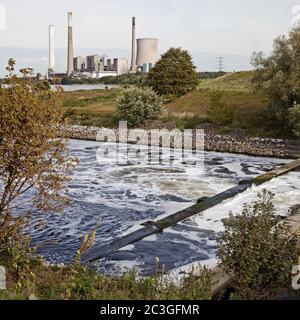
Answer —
(70, 66)
(51, 49)
(133, 48)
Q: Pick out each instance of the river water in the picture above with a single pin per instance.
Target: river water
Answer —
(123, 197)
(78, 87)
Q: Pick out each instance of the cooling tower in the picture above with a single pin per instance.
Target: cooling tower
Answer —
(70, 67)
(51, 48)
(147, 51)
(133, 48)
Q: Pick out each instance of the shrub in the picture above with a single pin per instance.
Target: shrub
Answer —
(174, 75)
(136, 105)
(219, 111)
(294, 119)
(256, 251)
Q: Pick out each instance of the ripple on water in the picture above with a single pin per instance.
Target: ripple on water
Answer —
(123, 197)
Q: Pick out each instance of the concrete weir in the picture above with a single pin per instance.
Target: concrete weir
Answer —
(154, 227)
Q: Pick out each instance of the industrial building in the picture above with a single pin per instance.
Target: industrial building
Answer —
(92, 63)
(144, 52)
(144, 55)
(118, 65)
(79, 64)
(96, 63)
(96, 66)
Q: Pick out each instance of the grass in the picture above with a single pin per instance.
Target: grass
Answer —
(76, 282)
(249, 109)
(197, 103)
(237, 81)
(92, 108)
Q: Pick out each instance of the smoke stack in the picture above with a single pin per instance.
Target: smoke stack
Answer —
(70, 66)
(133, 49)
(51, 48)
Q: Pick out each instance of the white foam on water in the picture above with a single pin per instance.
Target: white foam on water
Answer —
(177, 274)
(123, 266)
(125, 196)
(286, 191)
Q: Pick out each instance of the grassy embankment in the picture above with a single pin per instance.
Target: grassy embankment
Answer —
(76, 282)
(248, 109)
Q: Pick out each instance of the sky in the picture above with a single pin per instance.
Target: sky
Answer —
(233, 29)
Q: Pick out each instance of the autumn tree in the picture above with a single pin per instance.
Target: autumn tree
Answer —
(174, 74)
(34, 163)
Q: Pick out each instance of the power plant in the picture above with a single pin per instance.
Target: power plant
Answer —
(144, 54)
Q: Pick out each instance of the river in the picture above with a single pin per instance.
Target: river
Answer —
(122, 197)
(86, 87)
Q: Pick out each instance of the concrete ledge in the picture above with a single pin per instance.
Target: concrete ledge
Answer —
(220, 281)
(277, 172)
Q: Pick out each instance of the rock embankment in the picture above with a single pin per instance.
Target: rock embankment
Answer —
(213, 142)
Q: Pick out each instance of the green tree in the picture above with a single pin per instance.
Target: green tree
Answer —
(278, 75)
(256, 250)
(174, 74)
(136, 105)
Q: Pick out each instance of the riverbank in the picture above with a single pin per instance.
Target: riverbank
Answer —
(262, 147)
(42, 281)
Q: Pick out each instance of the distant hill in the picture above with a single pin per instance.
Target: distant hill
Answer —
(237, 81)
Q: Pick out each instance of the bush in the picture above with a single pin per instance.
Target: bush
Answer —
(219, 111)
(174, 75)
(136, 105)
(256, 251)
(294, 119)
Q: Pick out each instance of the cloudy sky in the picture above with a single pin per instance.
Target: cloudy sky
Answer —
(208, 28)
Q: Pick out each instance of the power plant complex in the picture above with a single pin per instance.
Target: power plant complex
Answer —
(144, 54)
